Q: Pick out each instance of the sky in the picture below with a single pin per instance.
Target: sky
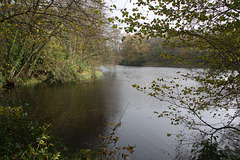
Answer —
(121, 4)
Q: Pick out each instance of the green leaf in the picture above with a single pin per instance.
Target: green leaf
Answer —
(110, 20)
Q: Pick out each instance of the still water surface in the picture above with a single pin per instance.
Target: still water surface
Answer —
(80, 112)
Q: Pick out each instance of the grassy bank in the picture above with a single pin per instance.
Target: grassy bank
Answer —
(86, 75)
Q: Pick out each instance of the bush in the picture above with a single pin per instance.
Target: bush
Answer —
(24, 139)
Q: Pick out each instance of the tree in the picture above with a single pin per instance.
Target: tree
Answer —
(213, 28)
(53, 39)
(135, 52)
(199, 24)
(152, 52)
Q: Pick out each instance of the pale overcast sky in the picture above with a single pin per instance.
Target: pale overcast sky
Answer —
(121, 4)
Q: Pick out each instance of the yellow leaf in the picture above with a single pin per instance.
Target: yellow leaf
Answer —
(119, 124)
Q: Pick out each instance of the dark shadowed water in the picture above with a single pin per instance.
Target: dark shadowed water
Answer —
(80, 112)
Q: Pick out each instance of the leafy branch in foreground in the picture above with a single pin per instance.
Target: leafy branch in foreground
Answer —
(108, 148)
(25, 139)
(209, 106)
(209, 26)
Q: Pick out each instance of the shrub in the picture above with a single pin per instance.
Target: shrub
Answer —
(24, 139)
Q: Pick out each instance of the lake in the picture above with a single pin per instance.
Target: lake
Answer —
(80, 112)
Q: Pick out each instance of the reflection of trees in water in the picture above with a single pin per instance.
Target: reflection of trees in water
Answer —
(77, 112)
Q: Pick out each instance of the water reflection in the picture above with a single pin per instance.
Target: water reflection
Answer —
(79, 112)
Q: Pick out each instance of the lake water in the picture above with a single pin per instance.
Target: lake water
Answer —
(80, 112)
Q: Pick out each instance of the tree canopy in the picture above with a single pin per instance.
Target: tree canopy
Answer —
(52, 40)
(206, 25)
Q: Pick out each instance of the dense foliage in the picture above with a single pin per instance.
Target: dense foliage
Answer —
(210, 109)
(52, 40)
(25, 139)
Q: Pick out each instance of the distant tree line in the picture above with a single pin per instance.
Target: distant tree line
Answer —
(155, 52)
